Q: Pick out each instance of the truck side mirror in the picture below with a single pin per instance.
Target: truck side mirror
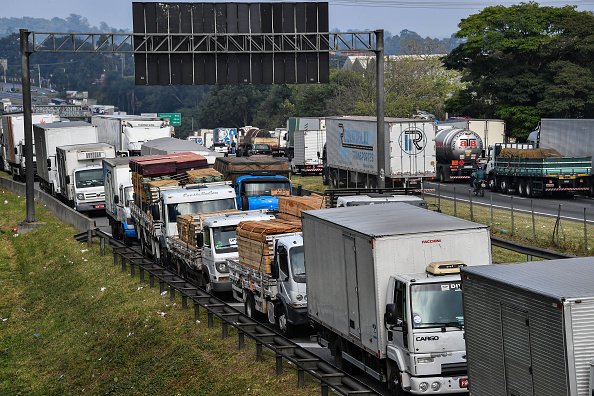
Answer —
(274, 269)
(116, 199)
(200, 240)
(245, 203)
(49, 164)
(390, 317)
(155, 212)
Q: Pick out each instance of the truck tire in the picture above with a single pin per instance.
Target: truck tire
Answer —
(282, 320)
(522, 188)
(206, 283)
(250, 308)
(395, 387)
(504, 186)
(529, 191)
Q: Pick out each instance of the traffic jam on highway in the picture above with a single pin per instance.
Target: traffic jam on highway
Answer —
(403, 294)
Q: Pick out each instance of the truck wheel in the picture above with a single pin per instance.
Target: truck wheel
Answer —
(503, 186)
(529, 192)
(207, 284)
(250, 306)
(395, 386)
(285, 327)
(522, 188)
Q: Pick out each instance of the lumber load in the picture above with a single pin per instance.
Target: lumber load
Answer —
(206, 175)
(293, 205)
(167, 164)
(255, 241)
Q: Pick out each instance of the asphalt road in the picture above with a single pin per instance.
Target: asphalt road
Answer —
(571, 208)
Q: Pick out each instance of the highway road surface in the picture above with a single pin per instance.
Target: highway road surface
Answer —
(571, 208)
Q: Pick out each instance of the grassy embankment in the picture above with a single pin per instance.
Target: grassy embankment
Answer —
(72, 323)
(567, 236)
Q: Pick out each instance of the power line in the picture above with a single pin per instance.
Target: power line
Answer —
(423, 4)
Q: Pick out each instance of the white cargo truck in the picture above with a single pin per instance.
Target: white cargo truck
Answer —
(47, 138)
(119, 192)
(279, 296)
(156, 224)
(387, 300)
(530, 328)
(81, 174)
(127, 133)
(171, 145)
(307, 152)
(13, 141)
(207, 261)
(351, 152)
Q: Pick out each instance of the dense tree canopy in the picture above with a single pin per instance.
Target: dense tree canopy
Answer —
(524, 62)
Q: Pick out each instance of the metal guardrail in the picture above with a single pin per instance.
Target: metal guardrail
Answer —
(529, 250)
(283, 348)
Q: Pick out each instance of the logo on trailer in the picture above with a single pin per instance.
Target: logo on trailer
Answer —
(468, 143)
(412, 140)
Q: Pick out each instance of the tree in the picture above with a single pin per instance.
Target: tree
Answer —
(524, 62)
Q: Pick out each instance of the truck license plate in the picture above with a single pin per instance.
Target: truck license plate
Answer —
(100, 206)
(463, 382)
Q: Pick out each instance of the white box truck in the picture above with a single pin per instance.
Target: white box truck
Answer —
(81, 174)
(47, 138)
(13, 141)
(387, 298)
(530, 328)
(127, 133)
(117, 179)
(351, 152)
(307, 152)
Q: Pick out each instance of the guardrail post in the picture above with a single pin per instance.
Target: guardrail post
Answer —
(324, 389)
(455, 205)
(511, 204)
(240, 339)
(585, 233)
(151, 279)
(439, 197)
(141, 270)
(89, 237)
(161, 286)
(196, 311)
(533, 223)
(210, 319)
(491, 195)
(123, 260)
(132, 269)
(279, 364)
(470, 200)
(115, 258)
(258, 350)
(171, 293)
(300, 377)
(102, 246)
(184, 301)
(224, 329)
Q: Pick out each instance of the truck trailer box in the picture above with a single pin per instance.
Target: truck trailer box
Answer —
(48, 137)
(570, 137)
(118, 181)
(530, 328)
(351, 144)
(347, 287)
(127, 133)
(308, 150)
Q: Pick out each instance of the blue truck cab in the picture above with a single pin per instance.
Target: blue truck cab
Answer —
(261, 192)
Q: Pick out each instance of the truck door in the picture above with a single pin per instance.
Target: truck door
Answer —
(517, 353)
(350, 259)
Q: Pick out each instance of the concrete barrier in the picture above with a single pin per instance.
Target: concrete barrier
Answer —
(62, 212)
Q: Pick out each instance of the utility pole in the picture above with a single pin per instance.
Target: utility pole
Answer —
(379, 86)
(39, 74)
(28, 125)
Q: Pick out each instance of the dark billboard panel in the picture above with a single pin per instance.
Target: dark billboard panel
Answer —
(253, 52)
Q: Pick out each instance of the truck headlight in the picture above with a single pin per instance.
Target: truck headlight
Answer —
(221, 266)
(425, 360)
(80, 197)
(299, 297)
(423, 386)
(435, 386)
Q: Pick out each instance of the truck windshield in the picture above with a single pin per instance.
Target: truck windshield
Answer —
(89, 178)
(129, 195)
(261, 147)
(297, 255)
(255, 189)
(225, 239)
(437, 305)
(174, 210)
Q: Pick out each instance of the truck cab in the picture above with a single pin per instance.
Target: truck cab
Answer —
(219, 243)
(425, 328)
(493, 151)
(88, 188)
(260, 192)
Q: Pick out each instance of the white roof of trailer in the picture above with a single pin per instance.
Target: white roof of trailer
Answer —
(558, 279)
(391, 219)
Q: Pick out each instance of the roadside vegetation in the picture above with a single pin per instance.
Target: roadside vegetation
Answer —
(72, 323)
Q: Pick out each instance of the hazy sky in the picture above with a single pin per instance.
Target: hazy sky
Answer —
(435, 18)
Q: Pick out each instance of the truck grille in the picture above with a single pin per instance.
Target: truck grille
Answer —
(454, 368)
(94, 195)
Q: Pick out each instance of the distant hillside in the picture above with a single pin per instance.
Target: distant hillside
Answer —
(410, 43)
(73, 23)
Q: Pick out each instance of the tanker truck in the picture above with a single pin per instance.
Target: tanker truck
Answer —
(457, 151)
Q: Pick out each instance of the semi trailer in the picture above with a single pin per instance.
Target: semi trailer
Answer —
(458, 152)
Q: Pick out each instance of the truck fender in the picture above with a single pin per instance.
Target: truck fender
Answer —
(397, 356)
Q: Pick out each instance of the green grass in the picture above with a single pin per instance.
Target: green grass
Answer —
(312, 183)
(72, 323)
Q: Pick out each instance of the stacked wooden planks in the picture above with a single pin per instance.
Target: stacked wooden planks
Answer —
(255, 241)
(290, 208)
(206, 175)
(154, 173)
